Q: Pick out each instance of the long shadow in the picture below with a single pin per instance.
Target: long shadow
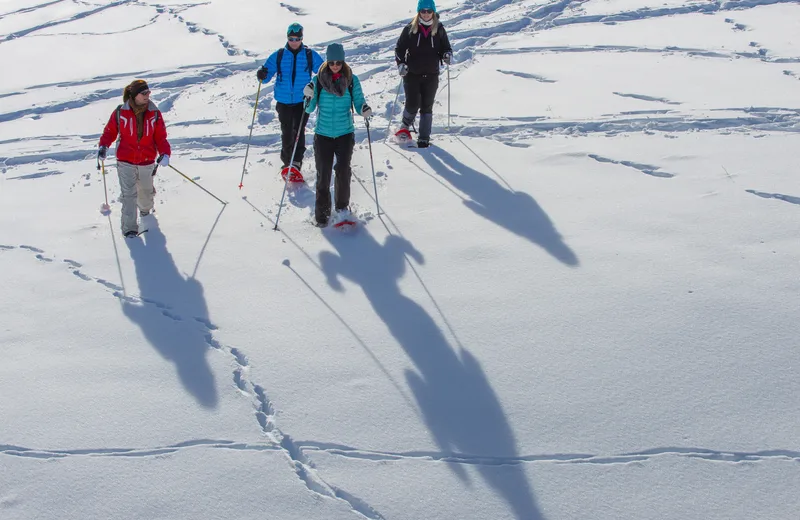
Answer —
(516, 211)
(458, 404)
(174, 316)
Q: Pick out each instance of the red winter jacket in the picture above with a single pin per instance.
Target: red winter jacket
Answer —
(129, 148)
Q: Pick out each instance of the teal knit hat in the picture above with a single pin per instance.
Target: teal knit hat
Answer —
(334, 52)
(426, 4)
(295, 30)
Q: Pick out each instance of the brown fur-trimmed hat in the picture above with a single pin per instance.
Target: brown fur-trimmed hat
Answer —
(136, 87)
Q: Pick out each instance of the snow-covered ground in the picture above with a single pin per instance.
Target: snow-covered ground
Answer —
(581, 303)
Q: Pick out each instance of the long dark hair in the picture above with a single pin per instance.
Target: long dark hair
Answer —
(347, 72)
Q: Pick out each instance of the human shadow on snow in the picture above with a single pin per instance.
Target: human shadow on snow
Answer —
(458, 404)
(516, 211)
(173, 315)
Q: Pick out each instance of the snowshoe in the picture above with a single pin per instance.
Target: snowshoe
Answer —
(131, 234)
(292, 174)
(423, 143)
(145, 213)
(343, 219)
(402, 136)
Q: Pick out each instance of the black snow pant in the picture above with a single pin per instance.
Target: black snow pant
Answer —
(420, 92)
(325, 150)
(290, 117)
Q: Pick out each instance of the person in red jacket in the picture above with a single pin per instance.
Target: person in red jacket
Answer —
(141, 135)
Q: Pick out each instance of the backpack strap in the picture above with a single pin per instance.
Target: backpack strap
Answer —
(352, 99)
(309, 61)
(278, 63)
(119, 109)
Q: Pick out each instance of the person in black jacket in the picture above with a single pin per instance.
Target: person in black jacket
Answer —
(421, 48)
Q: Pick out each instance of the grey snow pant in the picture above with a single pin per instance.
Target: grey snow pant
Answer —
(136, 183)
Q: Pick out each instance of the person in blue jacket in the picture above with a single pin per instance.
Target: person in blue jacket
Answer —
(293, 66)
(336, 93)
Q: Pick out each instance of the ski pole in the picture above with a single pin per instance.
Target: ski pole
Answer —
(448, 97)
(372, 163)
(193, 182)
(105, 209)
(291, 159)
(252, 124)
(391, 114)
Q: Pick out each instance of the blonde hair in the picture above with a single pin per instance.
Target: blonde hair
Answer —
(434, 25)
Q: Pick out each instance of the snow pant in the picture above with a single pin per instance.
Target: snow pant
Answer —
(420, 92)
(290, 117)
(325, 150)
(136, 182)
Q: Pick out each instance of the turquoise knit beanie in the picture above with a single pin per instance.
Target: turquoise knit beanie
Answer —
(426, 4)
(334, 52)
(295, 30)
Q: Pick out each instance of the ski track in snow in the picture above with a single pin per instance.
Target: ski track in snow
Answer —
(231, 49)
(733, 457)
(297, 11)
(644, 168)
(778, 196)
(646, 98)
(264, 409)
(540, 79)
(30, 9)
(509, 130)
(83, 14)
(467, 43)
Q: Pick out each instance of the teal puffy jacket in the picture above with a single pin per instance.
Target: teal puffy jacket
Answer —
(335, 118)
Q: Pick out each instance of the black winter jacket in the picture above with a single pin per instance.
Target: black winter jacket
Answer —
(421, 53)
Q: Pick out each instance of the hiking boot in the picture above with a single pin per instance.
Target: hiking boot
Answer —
(131, 234)
(341, 216)
(423, 143)
(143, 213)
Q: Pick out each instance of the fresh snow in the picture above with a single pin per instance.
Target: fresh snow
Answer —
(580, 302)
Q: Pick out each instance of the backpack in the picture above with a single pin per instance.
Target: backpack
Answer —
(309, 62)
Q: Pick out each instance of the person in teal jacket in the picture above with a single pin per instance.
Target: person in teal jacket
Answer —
(336, 93)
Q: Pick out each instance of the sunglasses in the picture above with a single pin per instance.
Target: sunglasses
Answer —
(144, 93)
(337, 63)
(293, 39)
(426, 11)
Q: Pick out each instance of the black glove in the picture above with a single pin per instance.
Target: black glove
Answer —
(447, 57)
(366, 111)
(101, 153)
(261, 74)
